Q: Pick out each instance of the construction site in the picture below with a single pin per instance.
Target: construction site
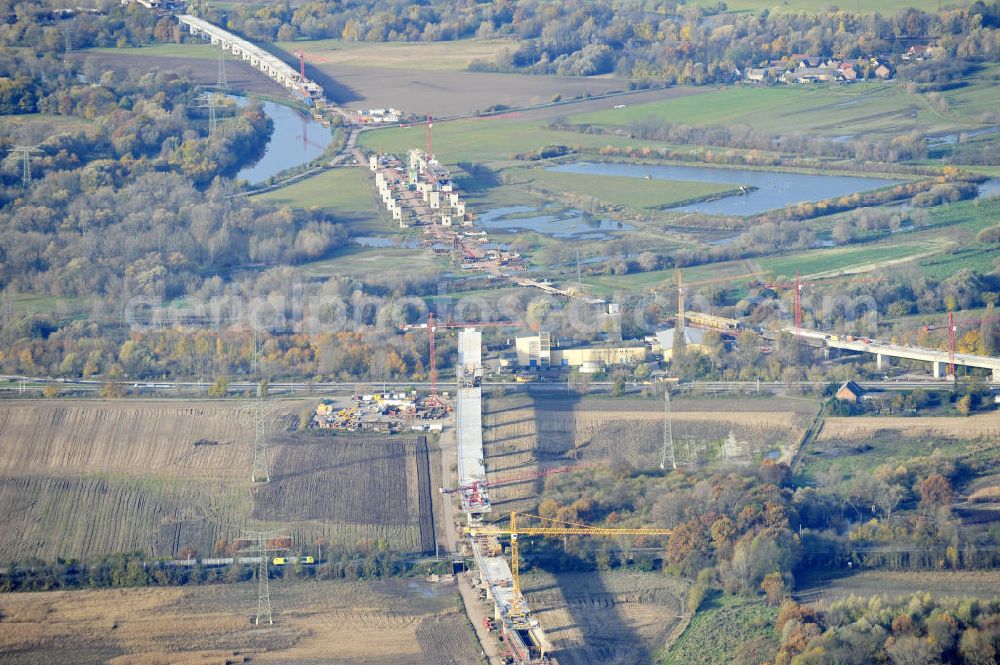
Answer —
(421, 192)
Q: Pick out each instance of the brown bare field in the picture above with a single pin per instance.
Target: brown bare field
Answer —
(605, 618)
(88, 478)
(362, 487)
(392, 622)
(979, 426)
(438, 56)
(894, 584)
(241, 76)
(522, 434)
(448, 93)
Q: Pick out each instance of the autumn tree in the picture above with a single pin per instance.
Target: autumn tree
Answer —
(935, 492)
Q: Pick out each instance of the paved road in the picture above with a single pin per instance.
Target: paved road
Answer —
(13, 382)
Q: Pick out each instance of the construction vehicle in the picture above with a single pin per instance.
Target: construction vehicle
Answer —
(285, 560)
(547, 527)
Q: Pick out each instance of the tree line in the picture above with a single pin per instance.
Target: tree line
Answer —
(666, 41)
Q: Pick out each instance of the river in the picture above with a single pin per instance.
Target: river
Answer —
(297, 140)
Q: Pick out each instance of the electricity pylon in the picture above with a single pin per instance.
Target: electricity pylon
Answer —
(26, 151)
(668, 431)
(209, 103)
(260, 548)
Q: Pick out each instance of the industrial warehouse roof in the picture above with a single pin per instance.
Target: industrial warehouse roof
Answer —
(665, 338)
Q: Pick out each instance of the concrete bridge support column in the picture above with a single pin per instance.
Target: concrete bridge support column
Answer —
(937, 369)
(878, 360)
(996, 375)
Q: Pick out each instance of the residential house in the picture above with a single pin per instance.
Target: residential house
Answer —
(847, 71)
(811, 75)
(850, 392)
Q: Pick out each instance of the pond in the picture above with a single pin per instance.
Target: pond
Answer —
(297, 140)
(568, 223)
(989, 188)
(772, 189)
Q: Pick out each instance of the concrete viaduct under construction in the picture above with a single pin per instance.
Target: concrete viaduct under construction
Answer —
(271, 65)
(524, 638)
(939, 359)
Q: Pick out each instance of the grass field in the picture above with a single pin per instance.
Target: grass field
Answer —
(626, 191)
(862, 109)
(485, 139)
(843, 260)
(431, 56)
(50, 123)
(719, 629)
(737, 271)
(196, 51)
(81, 478)
(343, 190)
(849, 446)
(392, 622)
(360, 261)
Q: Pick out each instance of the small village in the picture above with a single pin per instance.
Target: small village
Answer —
(814, 69)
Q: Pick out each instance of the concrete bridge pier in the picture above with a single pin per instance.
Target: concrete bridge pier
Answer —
(878, 360)
(937, 368)
(996, 375)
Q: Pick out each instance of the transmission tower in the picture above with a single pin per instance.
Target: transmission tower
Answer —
(668, 433)
(209, 103)
(223, 82)
(26, 151)
(68, 38)
(260, 548)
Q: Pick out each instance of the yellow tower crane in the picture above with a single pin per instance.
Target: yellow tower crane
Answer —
(547, 529)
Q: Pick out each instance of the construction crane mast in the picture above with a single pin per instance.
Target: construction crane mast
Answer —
(433, 358)
(432, 325)
(547, 528)
(797, 295)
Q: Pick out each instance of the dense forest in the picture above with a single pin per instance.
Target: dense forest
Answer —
(915, 630)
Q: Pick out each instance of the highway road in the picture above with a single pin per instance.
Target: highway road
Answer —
(30, 386)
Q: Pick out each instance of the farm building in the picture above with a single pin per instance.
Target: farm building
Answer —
(850, 392)
(538, 351)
